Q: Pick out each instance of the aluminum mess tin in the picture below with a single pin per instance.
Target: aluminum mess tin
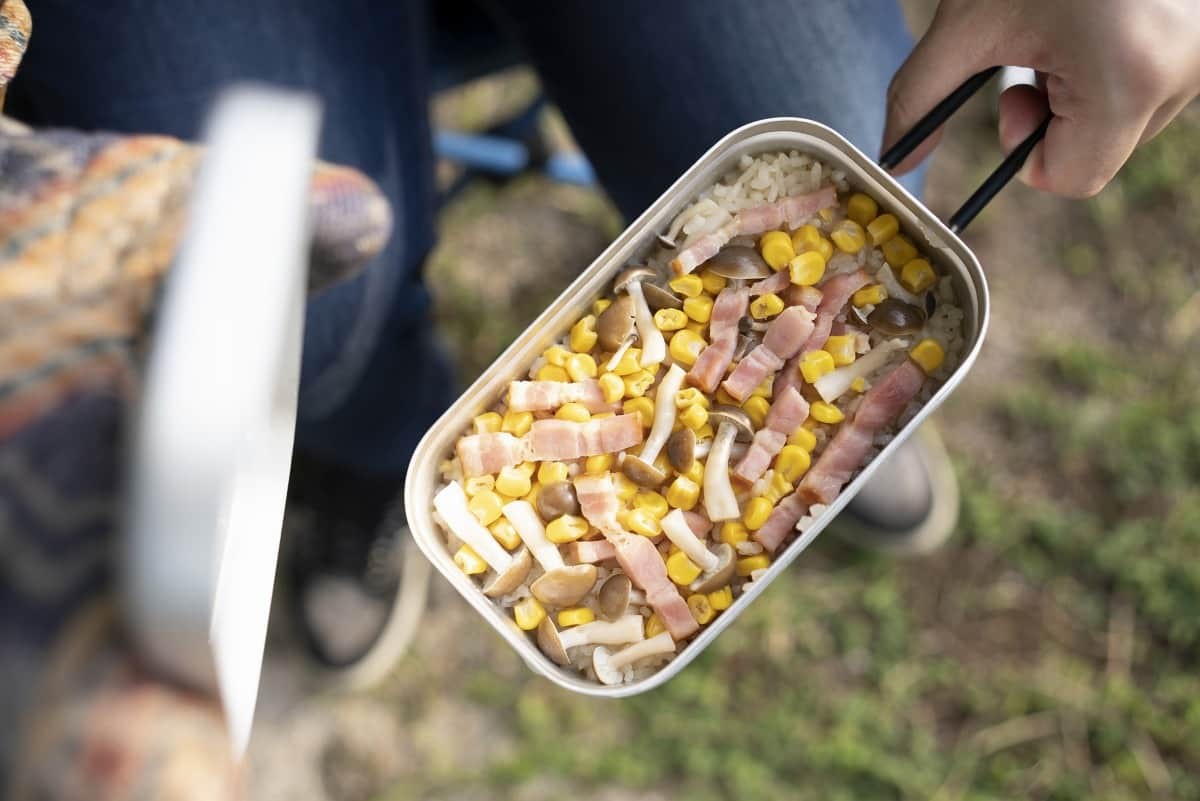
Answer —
(765, 136)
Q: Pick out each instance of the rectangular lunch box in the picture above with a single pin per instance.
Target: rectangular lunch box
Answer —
(931, 235)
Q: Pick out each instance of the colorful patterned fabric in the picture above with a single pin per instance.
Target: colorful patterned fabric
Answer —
(88, 227)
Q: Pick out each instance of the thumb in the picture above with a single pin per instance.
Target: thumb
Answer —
(961, 41)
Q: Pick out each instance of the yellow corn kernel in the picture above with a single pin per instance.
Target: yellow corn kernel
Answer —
(764, 389)
(612, 387)
(793, 462)
(529, 614)
(681, 570)
(824, 412)
(643, 407)
(639, 521)
(690, 397)
(918, 275)
(898, 251)
(807, 269)
(670, 319)
(599, 306)
(698, 308)
(600, 463)
(721, 599)
(815, 364)
(825, 248)
(526, 468)
(629, 363)
(883, 228)
(804, 438)
(766, 306)
(532, 495)
(581, 366)
(859, 384)
(871, 295)
(778, 489)
(637, 383)
(583, 334)
(849, 236)
(549, 472)
(696, 328)
(652, 503)
(485, 506)
(827, 214)
(756, 409)
(694, 417)
(625, 488)
(705, 431)
(576, 616)
(663, 464)
(701, 608)
(695, 473)
(776, 248)
(488, 423)
(687, 285)
(477, 484)
(929, 354)
(724, 398)
(566, 528)
(505, 534)
(861, 208)
(712, 283)
(654, 626)
(806, 237)
(557, 355)
(683, 493)
(551, 372)
(513, 482)
(469, 562)
(575, 412)
(748, 564)
(734, 532)
(686, 346)
(841, 348)
(757, 511)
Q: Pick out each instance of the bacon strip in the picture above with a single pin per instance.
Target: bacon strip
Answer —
(790, 211)
(848, 449)
(781, 522)
(786, 334)
(563, 440)
(544, 396)
(835, 293)
(787, 413)
(773, 283)
(710, 366)
(588, 551)
(481, 454)
(598, 501)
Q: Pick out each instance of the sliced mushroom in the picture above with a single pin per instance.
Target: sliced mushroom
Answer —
(511, 577)
(613, 597)
(681, 449)
(654, 346)
(616, 325)
(555, 643)
(556, 499)
(720, 501)
(739, 262)
(564, 586)
(659, 298)
(896, 318)
(451, 503)
(720, 575)
(608, 666)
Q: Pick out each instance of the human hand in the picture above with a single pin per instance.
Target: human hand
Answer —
(1113, 73)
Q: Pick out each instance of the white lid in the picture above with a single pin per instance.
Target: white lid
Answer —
(213, 442)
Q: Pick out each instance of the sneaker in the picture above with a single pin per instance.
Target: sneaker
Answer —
(357, 584)
(910, 505)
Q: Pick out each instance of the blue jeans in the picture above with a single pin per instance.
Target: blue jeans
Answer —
(645, 86)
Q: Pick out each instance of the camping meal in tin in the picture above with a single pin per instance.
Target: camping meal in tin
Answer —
(662, 451)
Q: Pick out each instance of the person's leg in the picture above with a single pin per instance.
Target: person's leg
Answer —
(146, 67)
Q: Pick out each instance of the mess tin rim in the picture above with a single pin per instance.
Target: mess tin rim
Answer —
(774, 134)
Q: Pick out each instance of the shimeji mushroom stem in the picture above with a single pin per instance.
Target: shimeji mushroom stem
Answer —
(658, 644)
(529, 528)
(451, 504)
(616, 357)
(664, 414)
(654, 346)
(720, 501)
(675, 526)
(630, 628)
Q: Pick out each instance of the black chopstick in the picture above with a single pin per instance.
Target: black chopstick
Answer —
(996, 181)
(934, 119)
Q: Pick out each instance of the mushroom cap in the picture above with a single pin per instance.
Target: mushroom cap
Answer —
(556, 499)
(604, 673)
(633, 274)
(896, 318)
(511, 578)
(564, 586)
(723, 573)
(739, 262)
(616, 323)
(681, 449)
(614, 596)
(550, 643)
(719, 415)
(659, 298)
(643, 473)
